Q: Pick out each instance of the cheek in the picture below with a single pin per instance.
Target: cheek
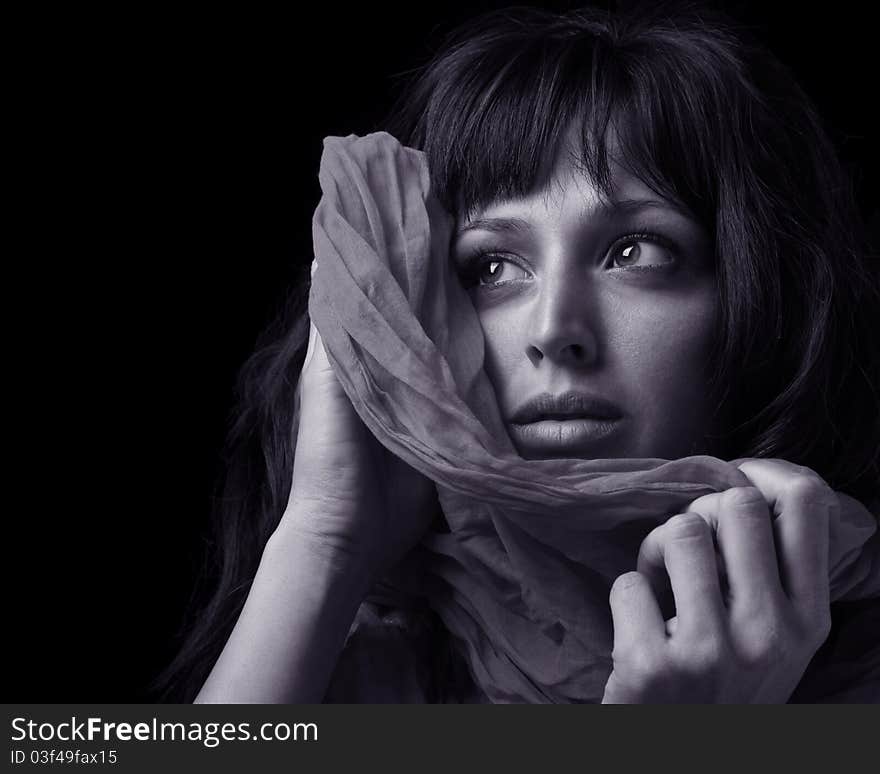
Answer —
(505, 328)
(653, 355)
(662, 365)
(668, 339)
(657, 337)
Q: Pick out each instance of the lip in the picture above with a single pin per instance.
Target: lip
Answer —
(551, 437)
(567, 406)
(572, 423)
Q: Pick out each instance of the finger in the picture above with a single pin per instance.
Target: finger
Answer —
(745, 541)
(652, 565)
(314, 336)
(310, 349)
(316, 364)
(635, 613)
(689, 557)
(804, 506)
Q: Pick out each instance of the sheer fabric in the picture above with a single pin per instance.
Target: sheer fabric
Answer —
(519, 574)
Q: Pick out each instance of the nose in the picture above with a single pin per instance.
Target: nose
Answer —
(564, 324)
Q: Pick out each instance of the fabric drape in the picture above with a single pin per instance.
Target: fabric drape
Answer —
(521, 577)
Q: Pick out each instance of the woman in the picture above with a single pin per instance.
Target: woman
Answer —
(666, 263)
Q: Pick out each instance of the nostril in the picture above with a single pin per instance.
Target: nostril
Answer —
(575, 351)
(535, 354)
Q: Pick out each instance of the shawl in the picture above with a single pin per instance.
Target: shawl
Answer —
(521, 570)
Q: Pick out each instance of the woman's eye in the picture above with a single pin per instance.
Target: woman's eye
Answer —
(639, 252)
(496, 269)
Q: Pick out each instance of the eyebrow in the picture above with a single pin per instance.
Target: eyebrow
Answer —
(495, 225)
(607, 208)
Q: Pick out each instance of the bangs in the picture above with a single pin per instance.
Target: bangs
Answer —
(499, 106)
(686, 100)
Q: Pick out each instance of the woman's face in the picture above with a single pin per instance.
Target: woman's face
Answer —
(610, 302)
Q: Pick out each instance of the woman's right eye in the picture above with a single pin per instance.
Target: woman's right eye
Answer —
(489, 269)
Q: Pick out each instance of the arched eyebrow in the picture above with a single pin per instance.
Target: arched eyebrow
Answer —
(495, 226)
(627, 206)
(607, 208)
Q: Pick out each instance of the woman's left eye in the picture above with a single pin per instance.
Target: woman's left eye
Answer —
(635, 253)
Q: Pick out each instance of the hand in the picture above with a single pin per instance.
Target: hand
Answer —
(747, 571)
(349, 494)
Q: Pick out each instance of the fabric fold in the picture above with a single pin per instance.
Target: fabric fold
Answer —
(521, 578)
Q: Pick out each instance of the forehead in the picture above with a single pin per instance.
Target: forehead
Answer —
(567, 192)
(571, 190)
(564, 187)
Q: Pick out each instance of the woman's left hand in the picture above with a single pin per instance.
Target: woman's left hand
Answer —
(747, 570)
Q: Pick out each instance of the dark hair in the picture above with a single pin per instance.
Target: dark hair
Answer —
(706, 117)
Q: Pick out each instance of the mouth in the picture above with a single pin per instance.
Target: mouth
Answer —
(570, 435)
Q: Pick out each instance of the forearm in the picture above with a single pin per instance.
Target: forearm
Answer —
(291, 630)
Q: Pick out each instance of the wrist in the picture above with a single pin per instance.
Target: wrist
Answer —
(293, 625)
(336, 567)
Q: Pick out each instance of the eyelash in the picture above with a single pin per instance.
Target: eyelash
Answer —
(473, 264)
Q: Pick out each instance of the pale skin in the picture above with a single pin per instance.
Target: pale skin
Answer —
(612, 297)
(752, 642)
(689, 626)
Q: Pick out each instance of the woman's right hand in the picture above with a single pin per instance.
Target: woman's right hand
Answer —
(350, 496)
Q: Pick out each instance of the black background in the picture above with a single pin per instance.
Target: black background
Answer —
(170, 173)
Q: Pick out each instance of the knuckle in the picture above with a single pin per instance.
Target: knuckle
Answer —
(758, 614)
(770, 639)
(744, 499)
(626, 583)
(744, 506)
(706, 504)
(642, 664)
(808, 487)
(687, 526)
(765, 644)
(703, 655)
(803, 470)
